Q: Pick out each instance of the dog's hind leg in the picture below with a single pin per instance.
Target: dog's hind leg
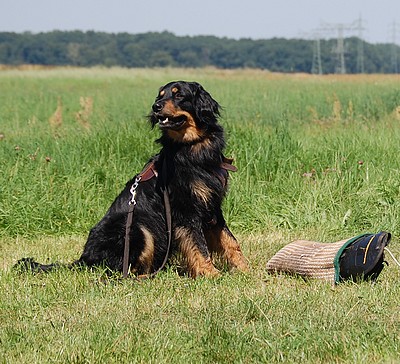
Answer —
(192, 245)
(221, 240)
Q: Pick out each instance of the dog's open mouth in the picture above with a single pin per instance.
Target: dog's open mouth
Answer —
(171, 122)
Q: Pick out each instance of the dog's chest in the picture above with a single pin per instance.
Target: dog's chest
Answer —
(200, 189)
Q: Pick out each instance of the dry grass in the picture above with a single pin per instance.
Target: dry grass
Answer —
(83, 115)
(56, 120)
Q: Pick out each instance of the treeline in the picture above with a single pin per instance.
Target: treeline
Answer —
(76, 48)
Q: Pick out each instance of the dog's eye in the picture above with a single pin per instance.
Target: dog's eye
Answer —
(178, 95)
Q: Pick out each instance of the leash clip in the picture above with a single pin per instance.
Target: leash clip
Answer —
(133, 189)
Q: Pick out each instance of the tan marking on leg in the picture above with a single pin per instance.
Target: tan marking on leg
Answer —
(201, 191)
(146, 257)
(221, 241)
(197, 263)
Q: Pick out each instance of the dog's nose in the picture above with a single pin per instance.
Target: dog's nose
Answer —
(157, 106)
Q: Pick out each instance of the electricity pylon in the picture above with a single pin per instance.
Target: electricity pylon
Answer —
(316, 63)
(394, 56)
(339, 50)
(360, 46)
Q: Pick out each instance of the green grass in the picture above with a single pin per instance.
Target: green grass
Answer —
(318, 159)
(74, 317)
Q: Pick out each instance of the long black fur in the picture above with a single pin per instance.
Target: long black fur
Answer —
(192, 143)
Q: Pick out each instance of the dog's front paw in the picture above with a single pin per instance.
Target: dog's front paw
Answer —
(204, 269)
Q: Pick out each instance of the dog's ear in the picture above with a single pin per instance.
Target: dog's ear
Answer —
(206, 107)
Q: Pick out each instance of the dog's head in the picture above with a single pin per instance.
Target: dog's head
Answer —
(184, 111)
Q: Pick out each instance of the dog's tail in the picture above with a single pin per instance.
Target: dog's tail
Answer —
(30, 265)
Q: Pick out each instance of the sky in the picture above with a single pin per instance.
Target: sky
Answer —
(256, 19)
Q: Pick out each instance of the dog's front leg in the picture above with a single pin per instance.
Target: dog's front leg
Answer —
(221, 240)
(192, 244)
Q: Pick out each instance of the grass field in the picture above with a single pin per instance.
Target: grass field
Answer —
(317, 158)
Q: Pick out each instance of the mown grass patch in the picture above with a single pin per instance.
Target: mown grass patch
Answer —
(85, 316)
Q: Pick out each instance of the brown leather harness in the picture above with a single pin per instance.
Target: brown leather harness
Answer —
(148, 172)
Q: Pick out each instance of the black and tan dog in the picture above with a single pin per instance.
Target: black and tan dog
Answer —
(193, 169)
